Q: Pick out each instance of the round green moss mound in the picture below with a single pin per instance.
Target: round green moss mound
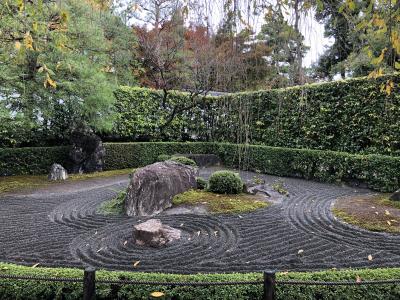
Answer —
(225, 182)
(201, 183)
(163, 157)
(184, 160)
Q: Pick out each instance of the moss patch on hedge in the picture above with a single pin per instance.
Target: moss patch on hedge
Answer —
(221, 203)
(374, 213)
(31, 182)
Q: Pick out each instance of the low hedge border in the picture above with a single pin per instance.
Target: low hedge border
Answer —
(378, 172)
(16, 289)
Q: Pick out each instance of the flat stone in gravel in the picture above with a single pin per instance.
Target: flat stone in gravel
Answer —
(154, 234)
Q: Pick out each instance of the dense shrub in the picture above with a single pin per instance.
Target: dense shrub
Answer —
(18, 289)
(225, 182)
(184, 160)
(353, 116)
(378, 172)
(201, 183)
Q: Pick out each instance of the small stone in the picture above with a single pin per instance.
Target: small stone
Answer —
(395, 196)
(57, 172)
(154, 234)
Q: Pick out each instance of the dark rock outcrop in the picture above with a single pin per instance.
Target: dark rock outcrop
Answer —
(152, 188)
(154, 234)
(87, 152)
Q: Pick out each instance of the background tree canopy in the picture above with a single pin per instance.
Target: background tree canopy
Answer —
(61, 61)
(60, 64)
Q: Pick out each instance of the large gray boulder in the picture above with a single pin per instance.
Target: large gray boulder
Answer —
(57, 172)
(154, 234)
(152, 188)
(395, 196)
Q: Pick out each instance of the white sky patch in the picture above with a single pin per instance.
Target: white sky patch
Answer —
(312, 31)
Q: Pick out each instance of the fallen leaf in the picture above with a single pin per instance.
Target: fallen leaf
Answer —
(370, 257)
(300, 252)
(376, 213)
(157, 294)
(285, 273)
(35, 265)
(215, 233)
(126, 242)
(136, 263)
(387, 212)
(372, 206)
(395, 221)
(99, 250)
(181, 225)
(198, 233)
(358, 279)
(240, 216)
(389, 223)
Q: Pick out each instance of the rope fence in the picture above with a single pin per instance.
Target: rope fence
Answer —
(269, 282)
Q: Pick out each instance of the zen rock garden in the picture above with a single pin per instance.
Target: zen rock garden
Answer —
(178, 217)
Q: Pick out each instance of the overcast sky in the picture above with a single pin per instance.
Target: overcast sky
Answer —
(312, 31)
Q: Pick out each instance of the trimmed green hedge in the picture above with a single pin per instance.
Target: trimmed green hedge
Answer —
(14, 289)
(32, 160)
(354, 116)
(378, 172)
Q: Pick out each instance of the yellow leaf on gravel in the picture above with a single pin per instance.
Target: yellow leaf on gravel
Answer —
(389, 223)
(370, 257)
(387, 212)
(17, 45)
(157, 294)
(136, 263)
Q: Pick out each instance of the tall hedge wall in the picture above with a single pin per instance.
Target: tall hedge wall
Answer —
(353, 116)
(14, 289)
(378, 172)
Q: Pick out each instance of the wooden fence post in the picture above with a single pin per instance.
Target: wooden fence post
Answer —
(89, 284)
(269, 285)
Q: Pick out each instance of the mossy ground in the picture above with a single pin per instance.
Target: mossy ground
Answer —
(114, 206)
(29, 182)
(221, 203)
(374, 213)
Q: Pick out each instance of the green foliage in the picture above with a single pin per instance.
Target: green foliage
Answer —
(59, 66)
(37, 160)
(184, 160)
(163, 157)
(352, 116)
(18, 289)
(378, 172)
(201, 183)
(221, 204)
(114, 206)
(279, 187)
(225, 182)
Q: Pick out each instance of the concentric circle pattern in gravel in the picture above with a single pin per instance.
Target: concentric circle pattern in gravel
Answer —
(66, 230)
